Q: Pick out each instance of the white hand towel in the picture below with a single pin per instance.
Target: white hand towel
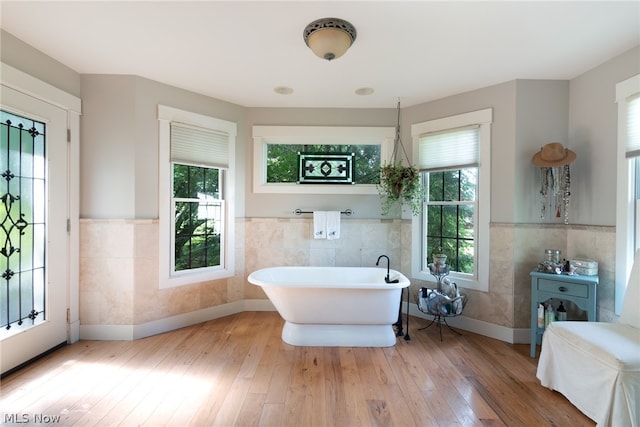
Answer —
(333, 225)
(319, 225)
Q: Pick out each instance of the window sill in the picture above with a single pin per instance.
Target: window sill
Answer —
(191, 278)
(291, 188)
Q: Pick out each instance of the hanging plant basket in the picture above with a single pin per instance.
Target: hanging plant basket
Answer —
(398, 183)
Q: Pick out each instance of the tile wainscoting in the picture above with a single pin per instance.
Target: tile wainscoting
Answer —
(120, 297)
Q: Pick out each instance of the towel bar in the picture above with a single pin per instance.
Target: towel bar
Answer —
(347, 212)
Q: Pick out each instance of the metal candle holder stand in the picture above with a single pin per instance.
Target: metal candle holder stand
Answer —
(439, 315)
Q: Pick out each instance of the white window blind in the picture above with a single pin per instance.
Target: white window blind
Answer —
(633, 126)
(449, 149)
(198, 146)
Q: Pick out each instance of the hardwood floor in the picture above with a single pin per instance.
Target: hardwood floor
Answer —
(236, 371)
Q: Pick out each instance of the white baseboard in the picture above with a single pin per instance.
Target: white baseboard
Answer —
(502, 333)
(258, 305)
(134, 332)
(73, 332)
(106, 332)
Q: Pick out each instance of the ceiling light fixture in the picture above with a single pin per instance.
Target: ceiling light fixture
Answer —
(364, 91)
(283, 90)
(329, 38)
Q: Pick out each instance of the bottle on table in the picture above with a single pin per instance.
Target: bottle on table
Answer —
(562, 312)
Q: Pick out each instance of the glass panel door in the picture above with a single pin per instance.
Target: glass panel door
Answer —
(34, 246)
(22, 221)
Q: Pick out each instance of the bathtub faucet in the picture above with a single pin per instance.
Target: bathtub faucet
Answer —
(386, 278)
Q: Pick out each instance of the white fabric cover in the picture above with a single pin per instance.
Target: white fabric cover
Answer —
(596, 365)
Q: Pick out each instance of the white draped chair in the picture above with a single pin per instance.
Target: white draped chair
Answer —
(596, 365)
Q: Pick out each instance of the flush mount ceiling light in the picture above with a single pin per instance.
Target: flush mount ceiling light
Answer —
(329, 38)
(283, 90)
(364, 91)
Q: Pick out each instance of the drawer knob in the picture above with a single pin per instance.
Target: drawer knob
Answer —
(562, 289)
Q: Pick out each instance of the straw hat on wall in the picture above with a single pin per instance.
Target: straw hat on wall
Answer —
(553, 154)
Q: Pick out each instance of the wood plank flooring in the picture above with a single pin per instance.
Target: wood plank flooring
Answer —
(236, 371)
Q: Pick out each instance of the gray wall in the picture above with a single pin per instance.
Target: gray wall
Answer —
(119, 161)
(22, 56)
(542, 113)
(282, 205)
(502, 99)
(119, 138)
(119, 155)
(108, 139)
(593, 116)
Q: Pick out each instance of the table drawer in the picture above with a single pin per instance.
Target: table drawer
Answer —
(563, 288)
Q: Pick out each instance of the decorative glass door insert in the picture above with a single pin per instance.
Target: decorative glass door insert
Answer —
(22, 221)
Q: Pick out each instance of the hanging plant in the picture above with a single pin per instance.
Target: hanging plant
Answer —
(398, 183)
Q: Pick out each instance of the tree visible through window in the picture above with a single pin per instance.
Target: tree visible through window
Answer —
(454, 158)
(282, 161)
(450, 216)
(196, 197)
(198, 217)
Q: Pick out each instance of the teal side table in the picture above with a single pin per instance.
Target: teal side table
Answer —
(581, 290)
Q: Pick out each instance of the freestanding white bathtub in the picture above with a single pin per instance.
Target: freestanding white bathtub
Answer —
(334, 306)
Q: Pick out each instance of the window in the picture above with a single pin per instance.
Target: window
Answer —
(282, 161)
(628, 183)
(276, 151)
(454, 160)
(196, 197)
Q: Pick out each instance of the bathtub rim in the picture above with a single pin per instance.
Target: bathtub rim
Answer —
(403, 281)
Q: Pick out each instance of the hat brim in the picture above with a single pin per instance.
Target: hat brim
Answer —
(538, 161)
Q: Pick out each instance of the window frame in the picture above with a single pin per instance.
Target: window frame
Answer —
(169, 278)
(483, 118)
(309, 135)
(222, 221)
(627, 207)
(451, 203)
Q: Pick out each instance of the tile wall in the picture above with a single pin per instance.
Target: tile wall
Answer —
(119, 265)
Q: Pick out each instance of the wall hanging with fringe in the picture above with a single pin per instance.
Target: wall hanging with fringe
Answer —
(555, 180)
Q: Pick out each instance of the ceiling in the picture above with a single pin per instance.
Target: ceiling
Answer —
(413, 51)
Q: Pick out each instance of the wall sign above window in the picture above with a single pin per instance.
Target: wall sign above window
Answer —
(322, 168)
